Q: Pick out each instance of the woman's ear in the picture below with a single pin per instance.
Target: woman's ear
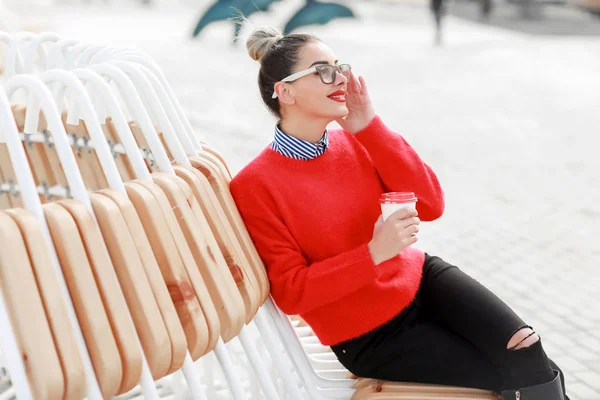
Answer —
(285, 93)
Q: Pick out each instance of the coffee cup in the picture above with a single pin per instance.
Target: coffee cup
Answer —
(394, 201)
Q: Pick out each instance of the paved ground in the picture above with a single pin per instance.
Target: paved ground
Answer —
(509, 121)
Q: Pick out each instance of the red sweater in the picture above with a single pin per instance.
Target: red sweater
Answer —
(311, 222)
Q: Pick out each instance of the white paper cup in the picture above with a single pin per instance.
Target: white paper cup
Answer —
(394, 201)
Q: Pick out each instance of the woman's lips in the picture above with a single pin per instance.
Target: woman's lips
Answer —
(339, 96)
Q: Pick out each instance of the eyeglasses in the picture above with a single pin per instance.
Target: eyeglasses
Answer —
(327, 73)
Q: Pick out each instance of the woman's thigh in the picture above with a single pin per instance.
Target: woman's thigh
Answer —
(428, 353)
(458, 302)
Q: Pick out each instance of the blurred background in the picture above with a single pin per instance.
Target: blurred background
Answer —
(500, 97)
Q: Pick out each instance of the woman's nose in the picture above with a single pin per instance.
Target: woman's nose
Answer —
(342, 81)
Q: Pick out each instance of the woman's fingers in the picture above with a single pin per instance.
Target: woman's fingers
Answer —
(407, 222)
(357, 86)
(363, 86)
(354, 83)
(411, 240)
(412, 230)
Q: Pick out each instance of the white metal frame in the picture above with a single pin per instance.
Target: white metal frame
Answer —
(126, 137)
(8, 341)
(98, 141)
(140, 171)
(134, 101)
(152, 90)
(32, 201)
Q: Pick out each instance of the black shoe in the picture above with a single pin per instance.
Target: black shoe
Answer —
(545, 391)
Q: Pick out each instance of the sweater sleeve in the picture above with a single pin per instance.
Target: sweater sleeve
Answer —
(296, 286)
(401, 169)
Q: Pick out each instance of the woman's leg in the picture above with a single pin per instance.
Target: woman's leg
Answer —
(409, 349)
(461, 304)
(428, 353)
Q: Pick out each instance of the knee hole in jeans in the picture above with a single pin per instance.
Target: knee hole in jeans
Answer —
(524, 337)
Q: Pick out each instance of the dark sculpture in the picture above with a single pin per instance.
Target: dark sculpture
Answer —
(313, 12)
(316, 12)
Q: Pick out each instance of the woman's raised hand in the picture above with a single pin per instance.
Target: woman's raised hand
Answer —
(358, 102)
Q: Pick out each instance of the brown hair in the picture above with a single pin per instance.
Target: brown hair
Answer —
(278, 56)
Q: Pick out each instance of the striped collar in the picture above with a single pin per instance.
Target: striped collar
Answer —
(298, 149)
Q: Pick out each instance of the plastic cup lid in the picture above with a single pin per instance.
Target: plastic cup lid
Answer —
(398, 197)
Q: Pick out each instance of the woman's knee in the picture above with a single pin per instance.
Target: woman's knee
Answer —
(524, 337)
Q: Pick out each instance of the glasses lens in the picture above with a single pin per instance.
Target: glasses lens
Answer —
(345, 69)
(326, 73)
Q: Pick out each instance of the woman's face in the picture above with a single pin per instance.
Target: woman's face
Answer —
(313, 97)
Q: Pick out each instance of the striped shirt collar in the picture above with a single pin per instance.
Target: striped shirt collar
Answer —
(298, 149)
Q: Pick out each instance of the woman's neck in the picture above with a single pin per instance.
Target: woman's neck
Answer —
(304, 128)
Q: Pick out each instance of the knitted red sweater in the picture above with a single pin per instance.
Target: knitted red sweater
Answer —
(311, 222)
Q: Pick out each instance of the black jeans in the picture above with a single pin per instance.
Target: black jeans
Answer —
(454, 333)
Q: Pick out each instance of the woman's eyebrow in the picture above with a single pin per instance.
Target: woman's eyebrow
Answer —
(323, 62)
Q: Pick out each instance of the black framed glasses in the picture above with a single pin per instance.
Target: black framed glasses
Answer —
(326, 72)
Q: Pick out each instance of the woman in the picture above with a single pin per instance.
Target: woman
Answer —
(310, 202)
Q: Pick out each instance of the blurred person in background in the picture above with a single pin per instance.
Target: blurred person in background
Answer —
(485, 9)
(438, 11)
(310, 202)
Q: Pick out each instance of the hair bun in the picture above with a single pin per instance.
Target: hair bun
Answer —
(261, 40)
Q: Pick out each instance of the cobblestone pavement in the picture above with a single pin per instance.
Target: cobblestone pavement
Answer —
(510, 122)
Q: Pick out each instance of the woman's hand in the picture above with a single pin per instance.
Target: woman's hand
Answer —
(394, 235)
(358, 102)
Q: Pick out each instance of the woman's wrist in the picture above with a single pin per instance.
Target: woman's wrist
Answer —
(363, 121)
(376, 259)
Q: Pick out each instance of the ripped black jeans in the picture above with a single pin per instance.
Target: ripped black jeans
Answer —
(454, 333)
